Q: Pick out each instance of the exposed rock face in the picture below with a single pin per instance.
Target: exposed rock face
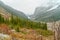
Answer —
(4, 14)
(55, 27)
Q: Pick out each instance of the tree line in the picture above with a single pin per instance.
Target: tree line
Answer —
(19, 22)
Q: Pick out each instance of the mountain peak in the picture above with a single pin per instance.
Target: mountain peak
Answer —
(47, 14)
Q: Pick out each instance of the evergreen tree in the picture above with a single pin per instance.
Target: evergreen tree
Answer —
(1, 19)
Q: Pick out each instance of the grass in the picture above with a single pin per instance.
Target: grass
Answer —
(44, 32)
(38, 31)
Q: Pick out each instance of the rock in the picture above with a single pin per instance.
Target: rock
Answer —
(4, 37)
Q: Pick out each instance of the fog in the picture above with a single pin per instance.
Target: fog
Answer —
(28, 6)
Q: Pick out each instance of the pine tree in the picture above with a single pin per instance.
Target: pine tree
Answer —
(1, 19)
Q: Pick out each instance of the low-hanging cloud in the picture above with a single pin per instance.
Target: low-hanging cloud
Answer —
(28, 6)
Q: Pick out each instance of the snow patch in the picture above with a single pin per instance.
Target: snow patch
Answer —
(53, 8)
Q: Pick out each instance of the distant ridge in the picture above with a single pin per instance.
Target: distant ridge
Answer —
(12, 11)
(46, 14)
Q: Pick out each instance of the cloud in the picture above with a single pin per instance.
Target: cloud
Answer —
(27, 6)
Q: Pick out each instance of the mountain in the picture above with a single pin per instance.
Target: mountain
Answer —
(46, 14)
(5, 9)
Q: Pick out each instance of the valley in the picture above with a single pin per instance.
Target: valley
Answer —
(44, 24)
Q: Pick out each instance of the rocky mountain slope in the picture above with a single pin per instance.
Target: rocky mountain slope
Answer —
(47, 14)
(7, 10)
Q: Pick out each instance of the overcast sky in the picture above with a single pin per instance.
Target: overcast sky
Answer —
(27, 6)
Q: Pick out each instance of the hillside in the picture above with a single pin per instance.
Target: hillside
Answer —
(47, 14)
(5, 9)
